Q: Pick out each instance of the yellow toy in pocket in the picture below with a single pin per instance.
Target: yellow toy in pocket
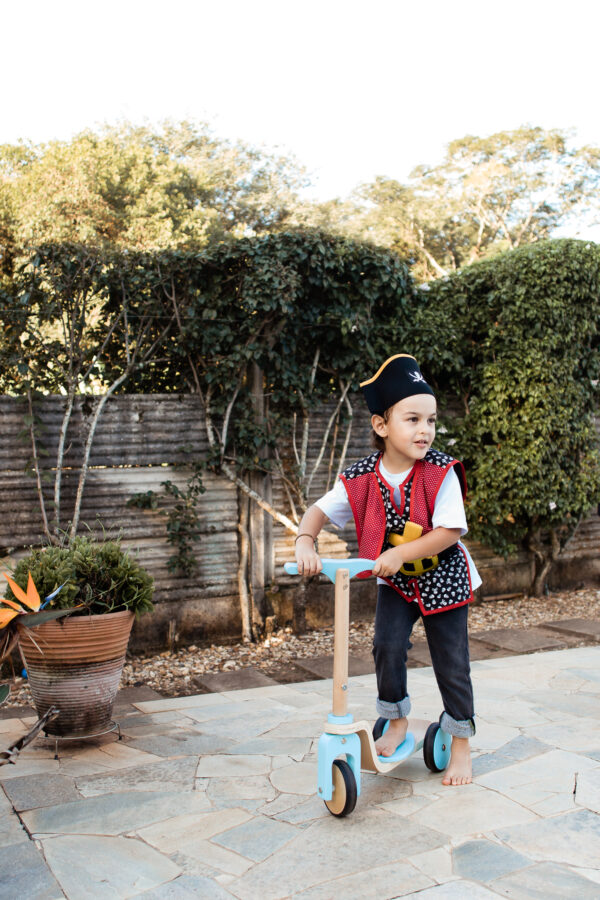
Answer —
(411, 532)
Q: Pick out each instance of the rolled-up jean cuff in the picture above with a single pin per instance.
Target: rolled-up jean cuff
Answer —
(458, 728)
(393, 710)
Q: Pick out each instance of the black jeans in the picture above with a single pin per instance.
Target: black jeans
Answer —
(448, 642)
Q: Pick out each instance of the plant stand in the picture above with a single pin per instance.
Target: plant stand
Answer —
(113, 726)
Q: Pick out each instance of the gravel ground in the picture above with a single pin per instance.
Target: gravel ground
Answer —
(173, 674)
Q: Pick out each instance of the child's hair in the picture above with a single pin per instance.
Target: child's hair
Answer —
(377, 442)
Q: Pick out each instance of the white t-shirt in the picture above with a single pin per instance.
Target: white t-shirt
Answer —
(448, 510)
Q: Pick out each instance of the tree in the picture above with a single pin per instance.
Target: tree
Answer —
(516, 340)
(487, 196)
(140, 188)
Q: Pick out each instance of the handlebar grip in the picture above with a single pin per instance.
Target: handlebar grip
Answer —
(329, 567)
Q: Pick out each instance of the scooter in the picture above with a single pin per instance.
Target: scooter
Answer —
(339, 779)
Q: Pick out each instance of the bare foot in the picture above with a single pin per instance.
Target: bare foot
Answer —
(393, 737)
(459, 767)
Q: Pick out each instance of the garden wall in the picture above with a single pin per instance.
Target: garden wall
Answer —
(143, 440)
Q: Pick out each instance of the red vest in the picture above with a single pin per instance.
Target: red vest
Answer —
(364, 494)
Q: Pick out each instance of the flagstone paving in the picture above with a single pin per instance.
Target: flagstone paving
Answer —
(213, 796)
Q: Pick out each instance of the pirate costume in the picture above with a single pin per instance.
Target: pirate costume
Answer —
(392, 508)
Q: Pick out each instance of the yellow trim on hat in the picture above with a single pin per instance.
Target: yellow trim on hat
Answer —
(387, 362)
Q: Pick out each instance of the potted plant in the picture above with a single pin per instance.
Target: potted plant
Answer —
(74, 662)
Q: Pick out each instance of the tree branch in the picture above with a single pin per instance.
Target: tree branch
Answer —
(328, 427)
(88, 449)
(36, 468)
(433, 262)
(64, 425)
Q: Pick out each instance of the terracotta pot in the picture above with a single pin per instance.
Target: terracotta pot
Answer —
(76, 666)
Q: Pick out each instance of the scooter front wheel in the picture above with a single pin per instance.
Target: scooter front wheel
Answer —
(345, 792)
(436, 748)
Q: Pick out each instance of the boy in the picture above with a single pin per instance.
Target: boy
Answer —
(407, 503)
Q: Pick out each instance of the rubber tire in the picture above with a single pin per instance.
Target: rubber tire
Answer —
(429, 748)
(344, 781)
(378, 727)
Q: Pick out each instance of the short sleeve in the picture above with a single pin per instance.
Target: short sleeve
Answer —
(335, 504)
(449, 509)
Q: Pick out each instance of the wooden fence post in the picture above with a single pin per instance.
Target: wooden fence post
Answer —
(261, 548)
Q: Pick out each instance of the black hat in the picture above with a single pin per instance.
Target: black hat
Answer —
(398, 377)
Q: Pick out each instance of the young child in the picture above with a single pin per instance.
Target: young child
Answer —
(407, 503)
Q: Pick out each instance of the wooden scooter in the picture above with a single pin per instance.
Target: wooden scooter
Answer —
(339, 779)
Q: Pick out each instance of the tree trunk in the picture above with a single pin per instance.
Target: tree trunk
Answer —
(242, 577)
(88, 449)
(258, 482)
(545, 555)
(37, 470)
(543, 565)
(60, 456)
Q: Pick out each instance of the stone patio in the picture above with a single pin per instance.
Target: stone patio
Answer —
(213, 796)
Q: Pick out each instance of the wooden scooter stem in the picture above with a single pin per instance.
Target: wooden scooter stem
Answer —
(340, 642)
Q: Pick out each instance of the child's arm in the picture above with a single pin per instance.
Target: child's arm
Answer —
(307, 557)
(428, 545)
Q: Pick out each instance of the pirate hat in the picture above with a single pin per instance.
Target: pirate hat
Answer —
(398, 377)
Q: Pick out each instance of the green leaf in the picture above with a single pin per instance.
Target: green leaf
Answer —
(46, 615)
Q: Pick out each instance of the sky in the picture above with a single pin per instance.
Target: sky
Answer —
(351, 89)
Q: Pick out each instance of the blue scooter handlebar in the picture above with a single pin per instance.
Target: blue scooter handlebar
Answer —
(331, 566)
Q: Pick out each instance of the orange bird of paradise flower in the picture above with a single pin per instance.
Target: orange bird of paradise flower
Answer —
(29, 598)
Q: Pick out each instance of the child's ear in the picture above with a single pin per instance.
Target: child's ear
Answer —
(379, 426)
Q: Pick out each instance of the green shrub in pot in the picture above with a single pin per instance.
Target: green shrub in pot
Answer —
(98, 577)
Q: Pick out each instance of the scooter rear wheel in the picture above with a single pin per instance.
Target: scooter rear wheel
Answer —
(345, 793)
(436, 748)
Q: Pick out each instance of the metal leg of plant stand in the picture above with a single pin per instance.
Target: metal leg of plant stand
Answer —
(114, 726)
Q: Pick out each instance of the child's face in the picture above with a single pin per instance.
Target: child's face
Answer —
(409, 430)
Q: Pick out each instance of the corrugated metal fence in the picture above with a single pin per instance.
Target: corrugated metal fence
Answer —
(143, 440)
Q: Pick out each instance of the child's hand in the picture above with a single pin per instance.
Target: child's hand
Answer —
(388, 563)
(309, 562)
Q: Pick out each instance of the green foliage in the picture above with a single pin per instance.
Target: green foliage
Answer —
(183, 523)
(76, 318)
(101, 576)
(517, 342)
(309, 311)
(182, 519)
(174, 186)
(489, 195)
(266, 329)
